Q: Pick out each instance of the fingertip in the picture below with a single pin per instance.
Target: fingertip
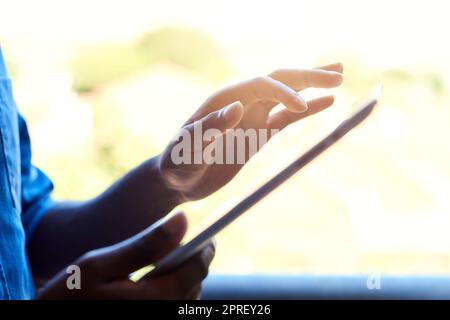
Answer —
(208, 253)
(336, 67)
(327, 100)
(339, 67)
(176, 226)
(337, 75)
(214, 242)
(233, 113)
(182, 221)
(300, 104)
(323, 102)
(331, 98)
(336, 78)
(330, 102)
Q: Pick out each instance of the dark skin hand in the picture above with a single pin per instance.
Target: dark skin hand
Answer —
(104, 272)
(255, 99)
(149, 192)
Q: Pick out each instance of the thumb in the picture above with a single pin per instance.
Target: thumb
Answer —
(144, 248)
(214, 125)
(225, 118)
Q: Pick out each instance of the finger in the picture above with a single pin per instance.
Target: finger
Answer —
(251, 91)
(201, 132)
(225, 118)
(195, 136)
(300, 79)
(143, 249)
(180, 282)
(283, 118)
(270, 89)
(337, 67)
(195, 293)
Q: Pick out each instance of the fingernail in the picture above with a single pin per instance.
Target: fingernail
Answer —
(302, 104)
(229, 112)
(209, 253)
(341, 66)
(214, 242)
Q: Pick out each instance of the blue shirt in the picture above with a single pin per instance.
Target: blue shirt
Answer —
(24, 196)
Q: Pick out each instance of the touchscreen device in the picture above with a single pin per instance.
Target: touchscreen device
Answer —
(187, 250)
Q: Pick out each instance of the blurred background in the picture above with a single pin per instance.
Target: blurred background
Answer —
(105, 84)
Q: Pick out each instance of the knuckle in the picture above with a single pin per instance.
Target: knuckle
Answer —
(260, 80)
(263, 86)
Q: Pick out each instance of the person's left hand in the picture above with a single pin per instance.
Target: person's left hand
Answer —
(246, 105)
(104, 272)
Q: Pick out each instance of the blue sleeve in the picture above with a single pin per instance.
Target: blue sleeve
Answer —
(3, 72)
(36, 186)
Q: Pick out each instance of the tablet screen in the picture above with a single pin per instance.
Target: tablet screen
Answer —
(220, 221)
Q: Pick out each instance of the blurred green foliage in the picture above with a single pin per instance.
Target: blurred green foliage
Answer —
(104, 63)
(188, 48)
(192, 49)
(113, 149)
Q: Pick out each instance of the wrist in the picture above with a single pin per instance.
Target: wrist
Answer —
(163, 189)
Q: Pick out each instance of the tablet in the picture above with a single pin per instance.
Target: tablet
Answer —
(184, 252)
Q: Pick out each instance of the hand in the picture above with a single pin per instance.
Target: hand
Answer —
(105, 272)
(246, 105)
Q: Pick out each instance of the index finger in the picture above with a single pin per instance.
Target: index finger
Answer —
(300, 79)
(338, 67)
(251, 91)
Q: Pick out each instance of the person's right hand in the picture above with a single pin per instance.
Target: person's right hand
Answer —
(246, 105)
(105, 272)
